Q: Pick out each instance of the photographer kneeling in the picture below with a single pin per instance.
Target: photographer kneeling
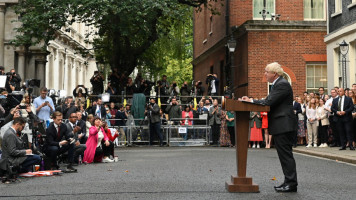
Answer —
(13, 147)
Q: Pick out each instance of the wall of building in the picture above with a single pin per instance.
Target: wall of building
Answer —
(345, 18)
(208, 28)
(285, 47)
(62, 69)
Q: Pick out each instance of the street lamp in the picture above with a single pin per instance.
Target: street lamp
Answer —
(231, 44)
(344, 49)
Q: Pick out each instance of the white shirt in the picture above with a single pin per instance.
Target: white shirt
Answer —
(275, 81)
(311, 114)
(213, 89)
(100, 137)
(342, 99)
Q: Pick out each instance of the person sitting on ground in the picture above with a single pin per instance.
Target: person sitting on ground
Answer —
(98, 144)
(76, 131)
(88, 124)
(56, 145)
(13, 147)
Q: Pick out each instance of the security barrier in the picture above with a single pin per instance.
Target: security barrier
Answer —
(136, 132)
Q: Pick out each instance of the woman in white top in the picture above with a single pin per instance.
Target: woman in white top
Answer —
(323, 123)
(312, 123)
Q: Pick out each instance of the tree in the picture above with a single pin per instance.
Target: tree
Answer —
(124, 29)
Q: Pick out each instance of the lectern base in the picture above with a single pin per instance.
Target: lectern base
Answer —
(239, 184)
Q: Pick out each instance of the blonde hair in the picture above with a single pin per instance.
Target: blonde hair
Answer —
(275, 67)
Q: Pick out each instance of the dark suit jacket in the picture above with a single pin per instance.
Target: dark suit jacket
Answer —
(102, 108)
(153, 114)
(281, 118)
(121, 118)
(12, 148)
(348, 108)
(51, 133)
(297, 107)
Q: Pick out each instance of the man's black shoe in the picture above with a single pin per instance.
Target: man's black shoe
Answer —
(70, 168)
(352, 148)
(279, 186)
(286, 188)
(343, 148)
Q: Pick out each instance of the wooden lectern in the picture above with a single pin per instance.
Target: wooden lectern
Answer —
(241, 183)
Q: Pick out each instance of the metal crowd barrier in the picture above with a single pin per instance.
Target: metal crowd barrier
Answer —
(136, 132)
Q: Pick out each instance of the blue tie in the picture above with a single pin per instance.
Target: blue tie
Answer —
(272, 87)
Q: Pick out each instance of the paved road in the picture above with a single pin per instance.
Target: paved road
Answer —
(187, 173)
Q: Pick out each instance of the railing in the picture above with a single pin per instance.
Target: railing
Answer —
(174, 134)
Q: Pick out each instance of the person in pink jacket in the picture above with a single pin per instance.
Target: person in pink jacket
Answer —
(98, 144)
(187, 116)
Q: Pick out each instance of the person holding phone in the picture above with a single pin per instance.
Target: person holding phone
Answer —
(44, 105)
(14, 150)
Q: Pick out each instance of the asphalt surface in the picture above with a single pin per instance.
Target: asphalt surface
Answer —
(187, 173)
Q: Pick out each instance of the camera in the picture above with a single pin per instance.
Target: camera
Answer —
(174, 84)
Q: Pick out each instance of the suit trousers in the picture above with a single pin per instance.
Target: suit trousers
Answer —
(215, 133)
(345, 131)
(312, 133)
(155, 129)
(54, 151)
(30, 160)
(335, 133)
(79, 150)
(283, 144)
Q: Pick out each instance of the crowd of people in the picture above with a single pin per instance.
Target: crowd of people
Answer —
(49, 130)
(323, 120)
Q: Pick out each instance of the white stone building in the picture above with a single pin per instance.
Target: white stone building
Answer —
(62, 69)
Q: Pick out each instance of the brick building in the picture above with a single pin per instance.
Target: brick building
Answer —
(295, 40)
(341, 27)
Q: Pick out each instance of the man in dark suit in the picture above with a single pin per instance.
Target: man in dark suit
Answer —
(75, 131)
(297, 109)
(83, 129)
(98, 109)
(282, 123)
(154, 119)
(56, 145)
(342, 108)
(13, 147)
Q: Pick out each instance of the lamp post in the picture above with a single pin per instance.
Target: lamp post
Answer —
(231, 44)
(344, 49)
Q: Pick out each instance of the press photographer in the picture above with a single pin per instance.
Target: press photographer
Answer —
(213, 84)
(15, 80)
(97, 81)
(185, 91)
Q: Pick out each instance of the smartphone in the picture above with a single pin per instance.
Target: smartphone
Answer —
(23, 107)
(46, 102)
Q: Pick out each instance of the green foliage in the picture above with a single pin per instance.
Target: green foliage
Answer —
(124, 29)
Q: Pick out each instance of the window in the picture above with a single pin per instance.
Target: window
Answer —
(314, 9)
(258, 6)
(316, 77)
(338, 6)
